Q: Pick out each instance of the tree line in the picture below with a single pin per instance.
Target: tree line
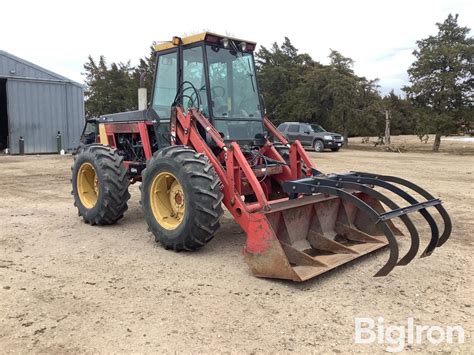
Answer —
(438, 99)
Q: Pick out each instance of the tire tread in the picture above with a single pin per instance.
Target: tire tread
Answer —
(114, 199)
(206, 197)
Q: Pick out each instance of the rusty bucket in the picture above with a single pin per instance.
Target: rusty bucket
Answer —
(334, 219)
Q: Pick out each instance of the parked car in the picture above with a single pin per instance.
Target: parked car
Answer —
(313, 135)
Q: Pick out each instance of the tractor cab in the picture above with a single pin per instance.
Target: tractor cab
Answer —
(215, 74)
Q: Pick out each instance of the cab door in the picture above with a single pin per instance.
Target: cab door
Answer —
(166, 83)
(293, 132)
(305, 135)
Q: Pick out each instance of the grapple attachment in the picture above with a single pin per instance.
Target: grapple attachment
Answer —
(330, 220)
(298, 228)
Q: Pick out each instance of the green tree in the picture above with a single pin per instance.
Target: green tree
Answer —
(401, 110)
(113, 88)
(281, 70)
(95, 85)
(441, 78)
(368, 118)
(342, 88)
(296, 88)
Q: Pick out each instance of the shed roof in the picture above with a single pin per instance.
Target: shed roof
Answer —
(12, 66)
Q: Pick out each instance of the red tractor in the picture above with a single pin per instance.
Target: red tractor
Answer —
(204, 141)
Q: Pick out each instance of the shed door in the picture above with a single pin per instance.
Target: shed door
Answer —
(3, 115)
(36, 111)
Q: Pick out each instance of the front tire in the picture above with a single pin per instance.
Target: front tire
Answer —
(181, 198)
(99, 184)
(335, 149)
(318, 145)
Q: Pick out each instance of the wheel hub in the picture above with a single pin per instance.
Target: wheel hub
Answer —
(178, 198)
(88, 185)
(167, 200)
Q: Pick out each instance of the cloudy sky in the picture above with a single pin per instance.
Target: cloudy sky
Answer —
(378, 35)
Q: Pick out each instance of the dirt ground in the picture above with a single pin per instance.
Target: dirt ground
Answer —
(69, 287)
(459, 145)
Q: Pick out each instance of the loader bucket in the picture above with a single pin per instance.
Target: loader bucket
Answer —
(334, 219)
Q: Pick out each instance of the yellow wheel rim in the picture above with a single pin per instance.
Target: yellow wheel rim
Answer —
(87, 185)
(167, 200)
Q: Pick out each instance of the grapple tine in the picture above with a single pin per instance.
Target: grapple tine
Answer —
(441, 210)
(414, 237)
(361, 178)
(447, 225)
(361, 205)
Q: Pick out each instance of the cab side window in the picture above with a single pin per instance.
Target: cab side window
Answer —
(165, 84)
(293, 128)
(304, 128)
(91, 128)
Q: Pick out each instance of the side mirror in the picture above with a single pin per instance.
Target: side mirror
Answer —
(307, 132)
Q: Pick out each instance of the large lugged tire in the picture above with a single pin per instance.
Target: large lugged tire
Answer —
(99, 184)
(181, 198)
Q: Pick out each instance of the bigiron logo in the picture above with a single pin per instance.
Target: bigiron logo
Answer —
(369, 331)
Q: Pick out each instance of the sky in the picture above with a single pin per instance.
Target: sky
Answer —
(379, 36)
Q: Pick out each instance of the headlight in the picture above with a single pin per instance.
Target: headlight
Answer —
(328, 138)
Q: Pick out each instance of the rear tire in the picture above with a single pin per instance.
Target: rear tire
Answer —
(78, 149)
(99, 184)
(189, 219)
(318, 146)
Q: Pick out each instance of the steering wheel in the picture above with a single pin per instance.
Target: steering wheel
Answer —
(214, 91)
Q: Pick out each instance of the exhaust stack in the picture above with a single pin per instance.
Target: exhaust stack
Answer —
(142, 94)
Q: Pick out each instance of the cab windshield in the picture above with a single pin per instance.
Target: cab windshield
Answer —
(233, 85)
(317, 128)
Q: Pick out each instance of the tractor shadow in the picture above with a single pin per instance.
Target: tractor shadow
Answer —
(226, 247)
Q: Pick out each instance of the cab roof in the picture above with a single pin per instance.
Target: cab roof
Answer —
(204, 36)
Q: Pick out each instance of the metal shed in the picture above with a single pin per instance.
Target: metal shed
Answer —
(36, 104)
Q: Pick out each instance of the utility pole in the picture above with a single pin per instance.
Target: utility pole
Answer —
(387, 126)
